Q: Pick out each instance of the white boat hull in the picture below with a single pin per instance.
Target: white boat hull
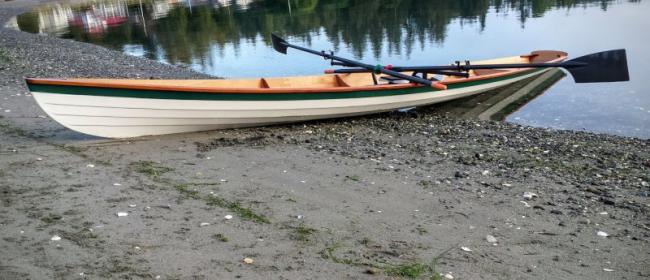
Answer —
(124, 117)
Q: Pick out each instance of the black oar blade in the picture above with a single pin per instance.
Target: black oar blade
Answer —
(602, 67)
(279, 44)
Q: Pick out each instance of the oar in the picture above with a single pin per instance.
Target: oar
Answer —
(398, 69)
(601, 67)
(281, 46)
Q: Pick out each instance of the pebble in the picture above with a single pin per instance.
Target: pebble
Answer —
(466, 249)
(248, 260)
(608, 269)
(485, 172)
(491, 239)
(228, 217)
(204, 224)
(122, 214)
(529, 195)
(90, 165)
(448, 276)
(117, 184)
(602, 234)
(372, 271)
(55, 238)
(132, 205)
(300, 217)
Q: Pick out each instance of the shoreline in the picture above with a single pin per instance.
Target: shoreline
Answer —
(394, 195)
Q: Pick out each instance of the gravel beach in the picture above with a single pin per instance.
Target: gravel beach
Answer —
(400, 195)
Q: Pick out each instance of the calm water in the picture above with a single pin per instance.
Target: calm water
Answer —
(230, 38)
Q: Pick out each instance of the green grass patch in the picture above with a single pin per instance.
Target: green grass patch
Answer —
(9, 129)
(155, 170)
(149, 168)
(185, 190)
(421, 230)
(414, 270)
(51, 219)
(220, 237)
(237, 208)
(83, 238)
(355, 178)
(4, 57)
(303, 233)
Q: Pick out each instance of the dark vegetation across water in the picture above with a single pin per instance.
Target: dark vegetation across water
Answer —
(186, 32)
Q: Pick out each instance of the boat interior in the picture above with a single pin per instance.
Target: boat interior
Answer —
(351, 80)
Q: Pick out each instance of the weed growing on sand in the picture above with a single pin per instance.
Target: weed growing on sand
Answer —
(4, 57)
(220, 237)
(83, 238)
(355, 178)
(154, 171)
(149, 168)
(12, 130)
(185, 190)
(51, 219)
(413, 270)
(234, 206)
(237, 208)
(303, 233)
(421, 230)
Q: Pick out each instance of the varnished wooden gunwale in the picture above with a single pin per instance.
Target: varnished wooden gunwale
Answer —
(339, 84)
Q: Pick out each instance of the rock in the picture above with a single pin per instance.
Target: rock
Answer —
(228, 217)
(491, 238)
(608, 270)
(448, 276)
(372, 271)
(602, 234)
(529, 195)
(248, 261)
(204, 224)
(466, 249)
(122, 214)
(608, 201)
(55, 238)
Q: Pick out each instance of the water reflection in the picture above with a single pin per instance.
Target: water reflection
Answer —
(184, 32)
(498, 104)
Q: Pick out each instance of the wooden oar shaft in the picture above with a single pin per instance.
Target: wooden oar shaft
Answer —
(568, 64)
(430, 69)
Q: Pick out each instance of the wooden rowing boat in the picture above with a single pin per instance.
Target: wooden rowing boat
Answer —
(121, 108)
